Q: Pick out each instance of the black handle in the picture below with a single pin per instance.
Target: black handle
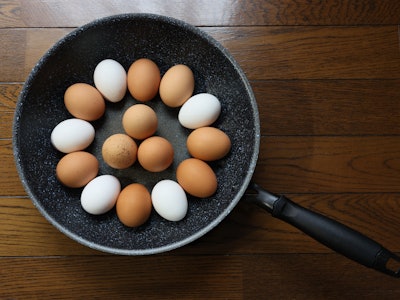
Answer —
(332, 234)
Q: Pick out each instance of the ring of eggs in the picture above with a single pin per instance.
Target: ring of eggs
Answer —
(134, 203)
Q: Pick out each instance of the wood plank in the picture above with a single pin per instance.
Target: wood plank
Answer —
(25, 232)
(322, 107)
(22, 48)
(12, 53)
(10, 14)
(330, 164)
(329, 12)
(10, 183)
(302, 52)
(314, 277)
(8, 99)
(200, 13)
(203, 13)
(157, 276)
(328, 107)
(297, 276)
(309, 52)
(6, 124)
(247, 230)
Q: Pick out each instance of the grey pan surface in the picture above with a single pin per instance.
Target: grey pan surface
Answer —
(126, 38)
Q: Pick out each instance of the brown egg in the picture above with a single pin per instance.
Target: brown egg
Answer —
(143, 79)
(208, 143)
(134, 205)
(76, 169)
(196, 177)
(140, 121)
(155, 154)
(119, 151)
(177, 85)
(84, 101)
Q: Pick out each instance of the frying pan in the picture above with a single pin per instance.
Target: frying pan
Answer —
(166, 41)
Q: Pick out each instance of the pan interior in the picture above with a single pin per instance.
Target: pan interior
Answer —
(126, 38)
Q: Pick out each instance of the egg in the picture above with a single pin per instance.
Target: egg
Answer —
(176, 85)
(169, 200)
(208, 143)
(76, 169)
(143, 79)
(133, 205)
(200, 110)
(119, 151)
(84, 101)
(155, 154)
(72, 135)
(196, 177)
(110, 79)
(100, 194)
(140, 121)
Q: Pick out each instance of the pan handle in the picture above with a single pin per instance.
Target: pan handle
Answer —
(330, 233)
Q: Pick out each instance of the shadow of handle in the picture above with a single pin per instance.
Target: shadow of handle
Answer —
(328, 232)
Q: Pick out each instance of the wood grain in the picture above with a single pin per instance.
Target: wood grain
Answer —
(195, 277)
(310, 52)
(8, 99)
(204, 13)
(330, 164)
(10, 183)
(313, 52)
(326, 76)
(328, 107)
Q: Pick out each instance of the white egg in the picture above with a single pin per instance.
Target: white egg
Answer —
(199, 110)
(72, 135)
(169, 200)
(110, 79)
(100, 194)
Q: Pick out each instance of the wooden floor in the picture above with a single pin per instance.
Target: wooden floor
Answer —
(326, 75)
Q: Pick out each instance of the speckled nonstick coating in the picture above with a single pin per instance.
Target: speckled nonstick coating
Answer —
(126, 38)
